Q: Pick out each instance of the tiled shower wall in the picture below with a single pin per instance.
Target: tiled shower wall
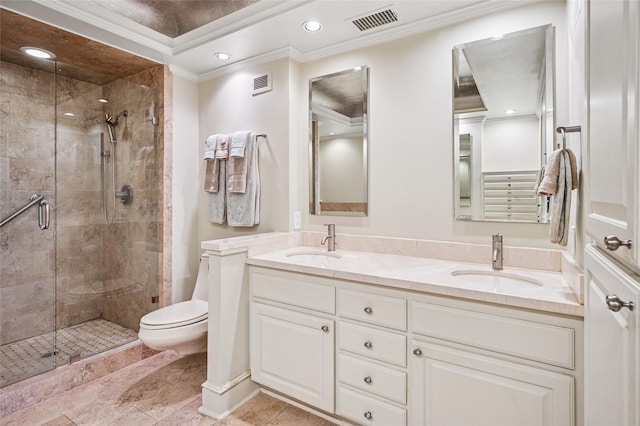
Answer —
(103, 270)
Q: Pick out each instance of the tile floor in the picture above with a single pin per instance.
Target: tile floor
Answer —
(22, 358)
(161, 390)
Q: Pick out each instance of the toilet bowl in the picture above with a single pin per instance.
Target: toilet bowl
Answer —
(182, 326)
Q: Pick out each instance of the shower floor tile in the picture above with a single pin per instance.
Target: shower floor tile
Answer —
(25, 358)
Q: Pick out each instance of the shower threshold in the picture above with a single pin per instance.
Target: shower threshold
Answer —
(29, 357)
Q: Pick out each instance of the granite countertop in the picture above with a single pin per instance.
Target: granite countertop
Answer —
(431, 276)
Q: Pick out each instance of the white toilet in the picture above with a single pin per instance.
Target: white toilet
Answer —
(181, 326)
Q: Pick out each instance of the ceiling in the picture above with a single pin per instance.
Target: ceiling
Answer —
(185, 34)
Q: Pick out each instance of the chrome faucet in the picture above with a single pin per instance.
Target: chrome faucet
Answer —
(331, 236)
(496, 256)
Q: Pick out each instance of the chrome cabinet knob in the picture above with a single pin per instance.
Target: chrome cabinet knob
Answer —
(368, 415)
(325, 328)
(368, 379)
(615, 304)
(611, 242)
(368, 344)
(368, 310)
(417, 351)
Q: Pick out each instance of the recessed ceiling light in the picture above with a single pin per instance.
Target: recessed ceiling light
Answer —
(312, 26)
(36, 52)
(509, 111)
(222, 56)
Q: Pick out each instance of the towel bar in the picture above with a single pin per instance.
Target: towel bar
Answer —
(567, 129)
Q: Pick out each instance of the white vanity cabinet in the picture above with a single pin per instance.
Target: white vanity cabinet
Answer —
(292, 336)
(409, 358)
(612, 355)
(372, 358)
(613, 191)
(503, 366)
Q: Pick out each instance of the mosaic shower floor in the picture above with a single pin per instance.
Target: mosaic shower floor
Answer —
(20, 360)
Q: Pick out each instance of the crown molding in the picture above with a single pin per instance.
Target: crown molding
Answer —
(183, 73)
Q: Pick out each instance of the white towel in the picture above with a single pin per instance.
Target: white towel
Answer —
(238, 143)
(210, 147)
(217, 201)
(561, 201)
(244, 209)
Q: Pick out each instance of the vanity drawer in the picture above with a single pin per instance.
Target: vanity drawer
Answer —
(377, 344)
(373, 308)
(366, 410)
(382, 381)
(536, 341)
(293, 289)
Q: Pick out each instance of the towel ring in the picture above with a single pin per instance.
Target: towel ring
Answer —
(564, 130)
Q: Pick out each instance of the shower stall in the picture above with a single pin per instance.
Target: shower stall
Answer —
(80, 267)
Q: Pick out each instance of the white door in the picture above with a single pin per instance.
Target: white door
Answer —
(454, 387)
(611, 339)
(293, 353)
(613, 180)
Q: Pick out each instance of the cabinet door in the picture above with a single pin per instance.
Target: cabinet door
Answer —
(454, 387)
(613, 180)
(293, 353)
(611, 338)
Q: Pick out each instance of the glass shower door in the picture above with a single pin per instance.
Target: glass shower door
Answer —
(27, 253)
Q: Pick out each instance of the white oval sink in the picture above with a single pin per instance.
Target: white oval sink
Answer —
(315, 254)
(498, 279)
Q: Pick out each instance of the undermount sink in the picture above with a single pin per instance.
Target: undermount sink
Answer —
(498, 279)
(315, 254)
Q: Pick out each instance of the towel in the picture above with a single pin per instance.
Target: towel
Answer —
(222, 147)
(561, 200)
(549, 184)
(210, 147)
(243, 209)
(238, 143)
(237, 164)
(217, 201)
(212, 176)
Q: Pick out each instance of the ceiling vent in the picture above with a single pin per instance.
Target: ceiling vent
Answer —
(376, 19)
(261, 83)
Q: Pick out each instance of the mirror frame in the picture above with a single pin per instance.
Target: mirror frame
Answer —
(360, 207)
(546, 122)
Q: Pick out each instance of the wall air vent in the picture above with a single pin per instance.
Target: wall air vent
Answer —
(376, 19)
(261, 83)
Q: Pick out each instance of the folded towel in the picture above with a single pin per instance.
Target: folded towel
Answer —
(210, 147)
(222, 147)
(217, 201)
(237, 175)
(212, 175)
(244, 209)
(238, 143)
(549, 183)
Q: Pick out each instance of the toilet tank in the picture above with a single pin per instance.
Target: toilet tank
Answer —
(201, 289)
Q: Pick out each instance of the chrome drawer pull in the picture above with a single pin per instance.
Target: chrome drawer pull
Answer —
(368, 310)
(368, 344)
(615, 304)
(368, 415)
(417, 351)
(611, 242)
(368, 379)
(325, 328)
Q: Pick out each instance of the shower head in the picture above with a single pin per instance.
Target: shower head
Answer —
(113, 119)
(112, 122)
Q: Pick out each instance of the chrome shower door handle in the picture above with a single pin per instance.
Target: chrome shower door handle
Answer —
(44, 217)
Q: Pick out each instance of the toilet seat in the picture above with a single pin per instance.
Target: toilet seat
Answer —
(176, 315)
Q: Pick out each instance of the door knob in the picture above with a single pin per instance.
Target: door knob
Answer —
(611, 242)
(615, 304)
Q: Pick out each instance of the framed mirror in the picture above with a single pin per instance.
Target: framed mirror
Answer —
(338, 123)
(503, 113)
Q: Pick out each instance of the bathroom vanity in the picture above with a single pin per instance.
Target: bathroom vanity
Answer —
(385, 339)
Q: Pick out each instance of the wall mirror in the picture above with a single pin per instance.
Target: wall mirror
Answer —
(338, 124)
(503, 113)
